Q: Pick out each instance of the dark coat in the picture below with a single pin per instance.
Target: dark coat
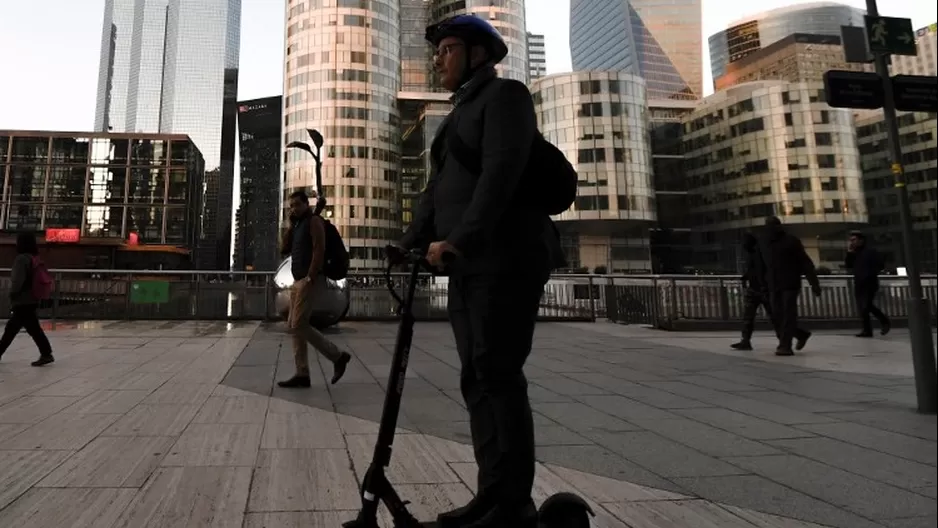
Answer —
(482, 215)
(866, 264)
(754, 276)
(786, 261)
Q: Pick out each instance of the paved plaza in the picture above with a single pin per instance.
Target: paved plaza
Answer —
(180, 424)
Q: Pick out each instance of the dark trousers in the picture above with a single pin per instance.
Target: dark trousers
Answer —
(865, 296)
(25, 317)
(493, 321)
(785, 317)
(752, 301)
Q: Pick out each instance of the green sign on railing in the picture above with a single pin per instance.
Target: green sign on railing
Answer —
(149, 292)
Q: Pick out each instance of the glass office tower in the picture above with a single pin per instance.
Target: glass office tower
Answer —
(171, 66)
(342, 76)
(658, 40)
(256, 239)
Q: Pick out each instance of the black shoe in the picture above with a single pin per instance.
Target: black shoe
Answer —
(296, 382)
(464, 515)
(43, 360)
(887, 326)
(340, 365)
(865, 334)
(504, 517)
(800, 342)
(742, 345)
(781, 351)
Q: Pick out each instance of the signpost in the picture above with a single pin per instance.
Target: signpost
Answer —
(890, 35)
(850, 89)
(894, 36)
(915, 93)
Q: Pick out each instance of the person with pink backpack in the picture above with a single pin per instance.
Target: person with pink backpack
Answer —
(30, 284)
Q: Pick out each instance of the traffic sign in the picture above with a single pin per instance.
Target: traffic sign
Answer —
(890, 35)
(915, 93)
(850, 89)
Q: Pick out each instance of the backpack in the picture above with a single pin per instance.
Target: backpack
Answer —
(337, 258)
(42, 281)
(549, 181)
(545, 159)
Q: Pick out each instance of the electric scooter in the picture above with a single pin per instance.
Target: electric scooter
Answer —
(562, 510)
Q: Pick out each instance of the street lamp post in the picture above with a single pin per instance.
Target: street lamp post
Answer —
(318, 141)
(923, 350)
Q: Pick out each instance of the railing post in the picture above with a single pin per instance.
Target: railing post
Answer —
(55, 298)
(128, 291)
(195, 299)
(267, 292)
(724, 302)
(592, 299)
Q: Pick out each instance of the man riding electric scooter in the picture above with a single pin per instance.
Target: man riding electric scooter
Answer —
(477, 221)
(501, 265)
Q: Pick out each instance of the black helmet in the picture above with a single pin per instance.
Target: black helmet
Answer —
(473, 30)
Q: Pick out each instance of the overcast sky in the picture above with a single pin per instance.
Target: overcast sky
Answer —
(49, 50)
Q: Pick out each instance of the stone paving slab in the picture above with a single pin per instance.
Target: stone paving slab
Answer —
(170, 424)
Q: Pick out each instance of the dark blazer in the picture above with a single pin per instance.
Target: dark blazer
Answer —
(482, 215)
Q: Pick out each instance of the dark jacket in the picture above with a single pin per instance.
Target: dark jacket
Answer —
(866, 264)
(482, 215)
(786, 261)
(754, 276)
(21, 281)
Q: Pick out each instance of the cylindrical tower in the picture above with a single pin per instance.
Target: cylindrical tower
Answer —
(599, 120)
(341, 77)
(507, 16)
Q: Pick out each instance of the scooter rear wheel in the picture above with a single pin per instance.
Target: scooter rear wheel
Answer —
(564, 510)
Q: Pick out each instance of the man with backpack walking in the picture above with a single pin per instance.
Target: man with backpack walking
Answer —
(30, 283)
(866, 264)
(305, 242)
(483, 208)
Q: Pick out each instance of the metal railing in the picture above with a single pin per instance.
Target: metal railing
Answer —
(662, 301)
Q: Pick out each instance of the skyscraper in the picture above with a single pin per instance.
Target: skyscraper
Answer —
(537, 56)
(352, 69)
(658, 40)
(171, 66)
(256, 238)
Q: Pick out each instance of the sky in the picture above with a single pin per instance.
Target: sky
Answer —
(49, 50)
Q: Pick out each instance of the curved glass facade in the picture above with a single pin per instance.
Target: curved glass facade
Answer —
(772, 148)
(763, 29)
(599, 120)
(508, 18)
(342, 74)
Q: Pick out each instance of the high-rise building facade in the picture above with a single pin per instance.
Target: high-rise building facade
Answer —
(658, 40)
(599, 121)
(171, 66)
(799, 57)
(124, 201)
(761, 30)
(360, 71)
(771, 148)
(537, 56)
(256, 236)
(342, 76)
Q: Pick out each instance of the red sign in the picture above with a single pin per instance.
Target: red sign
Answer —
(133, 239)
(63, 236)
